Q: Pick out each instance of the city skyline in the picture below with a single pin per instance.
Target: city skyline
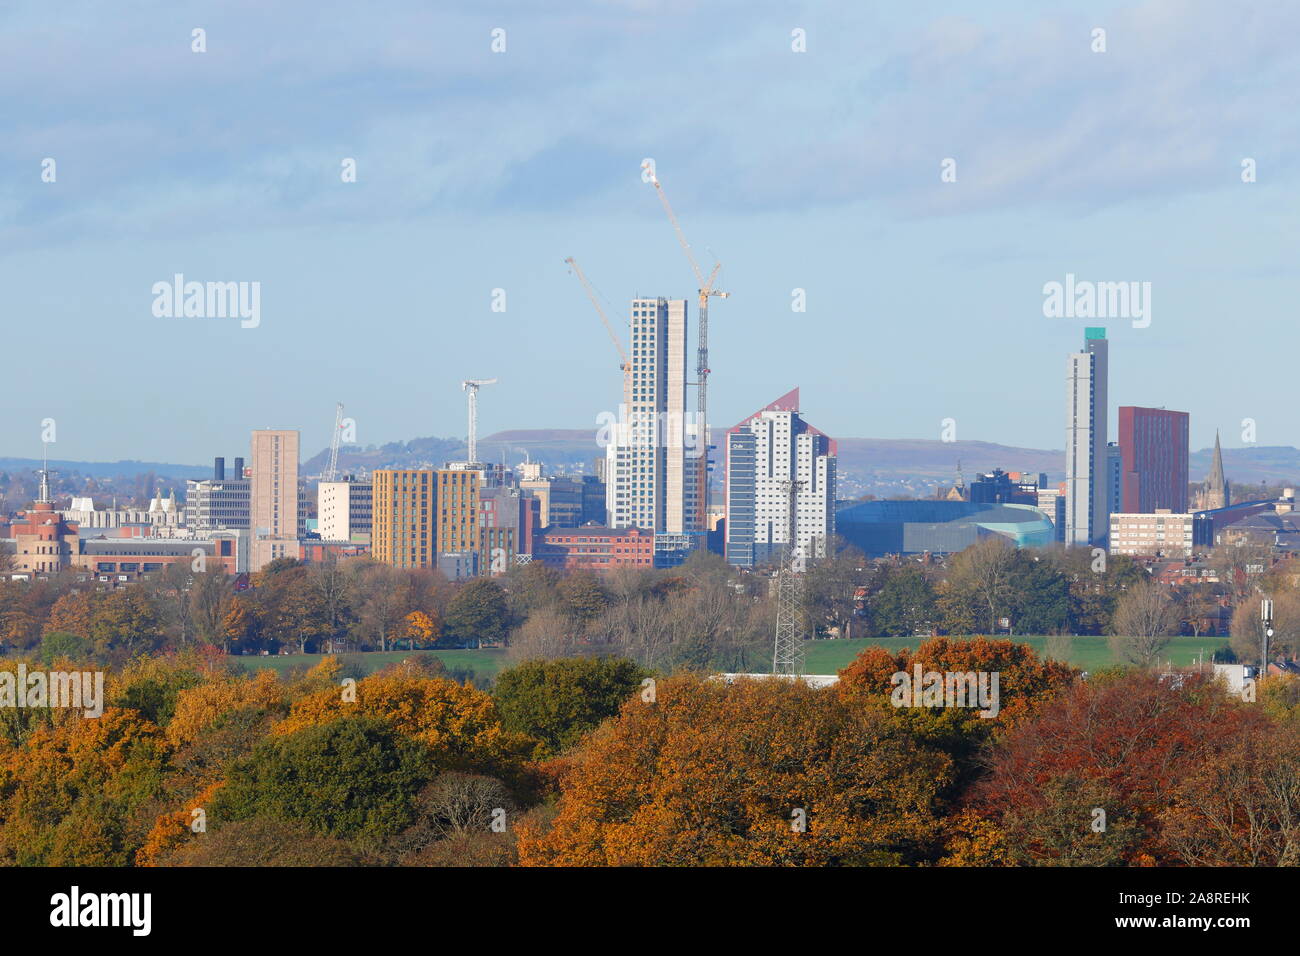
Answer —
(546, 164)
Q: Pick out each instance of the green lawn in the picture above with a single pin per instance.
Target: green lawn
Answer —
(823, 657)
(1088, 653)
(484, 663)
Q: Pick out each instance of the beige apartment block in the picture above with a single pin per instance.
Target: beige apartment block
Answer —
(273, 497)
(1161, 533)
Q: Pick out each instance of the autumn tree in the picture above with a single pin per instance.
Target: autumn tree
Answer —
(1247, 626)
(1241, 807)
(1139, 735)
(72, 795)
(581, 598)
(421, 626)
(1144, 619)
(1024, 682)
(753, 773)
(977, 590)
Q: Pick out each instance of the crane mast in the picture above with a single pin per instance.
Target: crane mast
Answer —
(624, 365)
(472, 386)
(331, 471)
(706, 291)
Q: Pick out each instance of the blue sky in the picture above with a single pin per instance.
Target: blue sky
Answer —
(481, 170)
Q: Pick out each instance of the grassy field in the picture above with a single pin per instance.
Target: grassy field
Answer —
(1088, 653)
(484, 663)
(823, 657)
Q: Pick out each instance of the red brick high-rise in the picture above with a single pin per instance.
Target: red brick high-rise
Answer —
(1153, 459)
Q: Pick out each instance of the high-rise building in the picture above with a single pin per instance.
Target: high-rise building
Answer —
(652, 452)
(345, 509)
(403, 522)
(765, 452)
(277, 521)
(1114, 479)
(1086, 482)
(1153, 446)
(458, 507)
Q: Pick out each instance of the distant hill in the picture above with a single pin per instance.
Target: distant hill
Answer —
(879, 466)
(108, 469)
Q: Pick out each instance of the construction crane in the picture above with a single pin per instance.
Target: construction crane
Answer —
(706, 291)
(472, 386)
(624, 365)
(331, 470)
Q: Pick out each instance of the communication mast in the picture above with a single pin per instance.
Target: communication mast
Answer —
(788, 654)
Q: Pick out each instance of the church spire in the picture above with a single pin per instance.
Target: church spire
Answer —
(1216, 480)
(1216, 485)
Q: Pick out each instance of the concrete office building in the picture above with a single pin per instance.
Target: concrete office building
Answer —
(764, 452)
(219, 503)
(345, 510)
(1087, 486)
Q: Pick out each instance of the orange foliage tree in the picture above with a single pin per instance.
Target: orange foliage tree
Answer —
(757, 772)
(458, 724)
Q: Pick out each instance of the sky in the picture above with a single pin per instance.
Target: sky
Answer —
(819, 169)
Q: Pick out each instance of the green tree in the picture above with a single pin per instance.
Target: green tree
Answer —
(558, 702)
(904, 605)
(1040, 601)
(354, 777)
(476, 614)
(582, 598)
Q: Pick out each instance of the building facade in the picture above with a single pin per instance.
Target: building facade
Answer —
(764, 454)
(345, 510)
(1161, 533)
(652, 451)
(403, 517)
(595, 549)
(277, 521)
(1087, 488)
(219, 503)
(1153, 445)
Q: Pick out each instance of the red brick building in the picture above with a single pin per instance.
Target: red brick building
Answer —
(1153, 460)
(595, 549)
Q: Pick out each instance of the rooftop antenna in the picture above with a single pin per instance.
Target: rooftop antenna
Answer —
(44, 495)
